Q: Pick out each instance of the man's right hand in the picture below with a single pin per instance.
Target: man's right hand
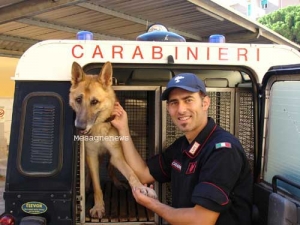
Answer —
(120, 121)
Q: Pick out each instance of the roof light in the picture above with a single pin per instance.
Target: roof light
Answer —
(157, 27)
(84, 35)
(217, 38)
(7, 219)
(158, 32)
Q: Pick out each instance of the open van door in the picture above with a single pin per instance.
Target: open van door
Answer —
(277, 192)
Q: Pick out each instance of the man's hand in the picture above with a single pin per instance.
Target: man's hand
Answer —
(176, 216)
(144, 195)
(148, 191)
(121, 120)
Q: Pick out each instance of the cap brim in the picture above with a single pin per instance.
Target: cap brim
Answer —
(165, 94)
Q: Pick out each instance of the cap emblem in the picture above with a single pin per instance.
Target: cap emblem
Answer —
(177, 79)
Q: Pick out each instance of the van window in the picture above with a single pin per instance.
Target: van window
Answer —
(283, 137)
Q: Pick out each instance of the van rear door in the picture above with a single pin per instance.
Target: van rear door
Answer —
(277, 192)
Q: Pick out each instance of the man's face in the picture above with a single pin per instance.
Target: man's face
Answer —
(188, 110)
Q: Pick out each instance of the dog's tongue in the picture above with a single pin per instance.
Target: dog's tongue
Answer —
(83, 131)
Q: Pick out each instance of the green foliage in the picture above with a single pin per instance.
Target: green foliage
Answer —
(285, 21)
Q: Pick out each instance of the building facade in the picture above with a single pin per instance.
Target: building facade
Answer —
(258, 8)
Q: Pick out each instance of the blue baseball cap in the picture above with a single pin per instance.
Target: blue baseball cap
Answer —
(186, 81)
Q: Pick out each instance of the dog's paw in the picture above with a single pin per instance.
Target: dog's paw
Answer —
(97, 211)
(151, 193)
(148, 192)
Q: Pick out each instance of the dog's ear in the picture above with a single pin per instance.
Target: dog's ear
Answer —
(77, 73)
(105, 76)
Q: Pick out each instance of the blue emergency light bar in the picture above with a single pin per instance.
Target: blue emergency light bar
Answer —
(217, 38)
(84, 35)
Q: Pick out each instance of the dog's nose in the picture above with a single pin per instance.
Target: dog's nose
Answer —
(81, 125)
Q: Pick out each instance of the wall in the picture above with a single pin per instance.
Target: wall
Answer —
(256, 9)
(7, 70)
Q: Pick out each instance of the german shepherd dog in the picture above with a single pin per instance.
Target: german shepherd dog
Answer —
(92, 98)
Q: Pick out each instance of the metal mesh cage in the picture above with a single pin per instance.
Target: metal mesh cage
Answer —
(221, 108)
(245, 123)
(231, 108)
(78, 209)
(137, 120)
(135, 104)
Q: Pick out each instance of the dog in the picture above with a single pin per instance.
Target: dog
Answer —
(92, 98)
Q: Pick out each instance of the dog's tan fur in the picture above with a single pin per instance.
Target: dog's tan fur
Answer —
(92, 98)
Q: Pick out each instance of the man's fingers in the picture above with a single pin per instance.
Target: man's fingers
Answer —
(118, 110)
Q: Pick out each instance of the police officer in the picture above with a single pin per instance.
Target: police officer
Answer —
(209, 173)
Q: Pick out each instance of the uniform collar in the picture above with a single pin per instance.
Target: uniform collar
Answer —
(193, 149)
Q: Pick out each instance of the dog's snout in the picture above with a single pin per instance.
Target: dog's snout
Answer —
(81, 125)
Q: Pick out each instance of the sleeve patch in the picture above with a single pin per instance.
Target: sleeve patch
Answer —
(223, 145)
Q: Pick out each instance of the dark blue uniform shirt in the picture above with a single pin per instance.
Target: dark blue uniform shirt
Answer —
(212, 172)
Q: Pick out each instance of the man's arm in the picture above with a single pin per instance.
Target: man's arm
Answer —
(132, 156)
(197, 215)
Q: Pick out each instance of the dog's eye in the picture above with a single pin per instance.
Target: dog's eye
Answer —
(78, 100)
(94, 102)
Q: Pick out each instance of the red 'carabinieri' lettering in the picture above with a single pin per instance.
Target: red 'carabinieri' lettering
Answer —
(75, 53)
(203, 54)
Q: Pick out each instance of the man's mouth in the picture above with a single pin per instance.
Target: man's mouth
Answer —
(184, 118)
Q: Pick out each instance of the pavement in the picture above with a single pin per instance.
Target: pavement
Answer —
(3, 163)
(2, 206)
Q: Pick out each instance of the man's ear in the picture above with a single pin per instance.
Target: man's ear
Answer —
(77, 74)
(105, 76)
(205, 102)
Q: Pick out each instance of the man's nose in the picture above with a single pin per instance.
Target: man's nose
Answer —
(181, 108)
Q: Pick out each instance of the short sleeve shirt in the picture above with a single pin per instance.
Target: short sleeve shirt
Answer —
(212, 172)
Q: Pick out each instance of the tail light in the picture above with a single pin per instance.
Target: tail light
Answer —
(7, 219)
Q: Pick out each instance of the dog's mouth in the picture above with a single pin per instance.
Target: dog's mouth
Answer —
(85, 132)
(87, 127)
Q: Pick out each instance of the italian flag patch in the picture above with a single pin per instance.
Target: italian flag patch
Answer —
(223, 145)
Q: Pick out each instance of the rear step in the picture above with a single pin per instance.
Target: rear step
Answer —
(120, 206)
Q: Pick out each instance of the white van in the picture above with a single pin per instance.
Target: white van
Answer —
(254, 91)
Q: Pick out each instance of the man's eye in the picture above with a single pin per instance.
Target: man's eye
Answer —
(172, 103)
(94, 102)
(78, 100)
(188, 100)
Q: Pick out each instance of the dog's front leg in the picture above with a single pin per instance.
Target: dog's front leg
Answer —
(93, 163)
(117, 159)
